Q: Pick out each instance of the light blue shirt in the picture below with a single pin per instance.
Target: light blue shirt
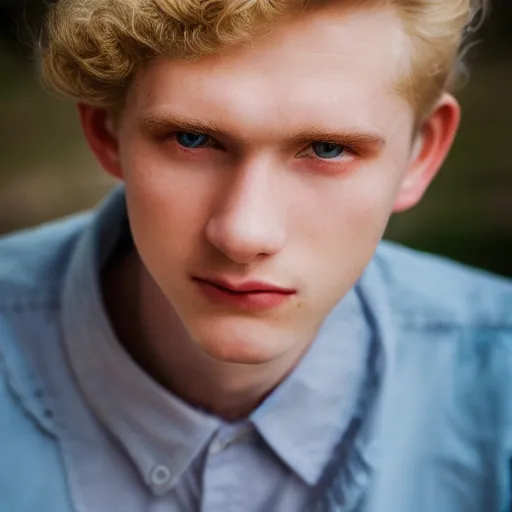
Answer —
(402, 403)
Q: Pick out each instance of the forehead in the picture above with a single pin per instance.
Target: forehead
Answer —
(328, 66)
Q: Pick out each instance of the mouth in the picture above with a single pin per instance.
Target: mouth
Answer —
(248, 295)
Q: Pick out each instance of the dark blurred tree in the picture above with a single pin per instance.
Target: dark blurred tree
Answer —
(20, 21)
(500, 21)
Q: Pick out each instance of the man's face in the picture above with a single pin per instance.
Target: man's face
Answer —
(276, 164)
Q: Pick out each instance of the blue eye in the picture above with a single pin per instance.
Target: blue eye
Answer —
(191, 140)
(327, 149)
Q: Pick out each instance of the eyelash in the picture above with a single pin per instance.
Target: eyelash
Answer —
(346, 149)
(212, 143)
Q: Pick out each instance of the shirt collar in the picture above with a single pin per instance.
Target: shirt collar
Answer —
(304, 419)
(156, 428)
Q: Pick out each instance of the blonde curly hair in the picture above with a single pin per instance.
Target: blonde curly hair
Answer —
(91, 49)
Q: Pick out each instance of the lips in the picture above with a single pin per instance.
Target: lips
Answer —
(247, 286)
(246, 296)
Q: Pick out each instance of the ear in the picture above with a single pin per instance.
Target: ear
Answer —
(430, 148)
(101, 135)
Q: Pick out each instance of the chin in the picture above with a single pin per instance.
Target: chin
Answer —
(241, 341)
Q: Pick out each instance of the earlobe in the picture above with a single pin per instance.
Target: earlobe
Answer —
(429, 151)
(101, 137)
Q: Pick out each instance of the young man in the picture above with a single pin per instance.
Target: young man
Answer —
(226, 332)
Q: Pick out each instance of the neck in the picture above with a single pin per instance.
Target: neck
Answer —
(151, 331)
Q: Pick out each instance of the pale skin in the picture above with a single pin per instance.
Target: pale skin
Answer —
(257, 201)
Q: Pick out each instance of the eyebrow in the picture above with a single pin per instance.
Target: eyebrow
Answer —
(168, 122)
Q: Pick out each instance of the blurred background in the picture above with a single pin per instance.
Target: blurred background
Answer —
(46, 170)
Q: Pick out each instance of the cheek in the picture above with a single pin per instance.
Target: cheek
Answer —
(339, 251)
(339, 232)
(346, 214)
(168, 205)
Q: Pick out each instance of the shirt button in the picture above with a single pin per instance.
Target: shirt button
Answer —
(159, 476)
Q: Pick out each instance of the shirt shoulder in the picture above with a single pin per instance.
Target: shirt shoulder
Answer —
(432, 291)
(453, 326)
(32, 266)
(451, 333)
(33, 261)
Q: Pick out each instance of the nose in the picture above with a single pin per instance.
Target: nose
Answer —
(248, 219)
